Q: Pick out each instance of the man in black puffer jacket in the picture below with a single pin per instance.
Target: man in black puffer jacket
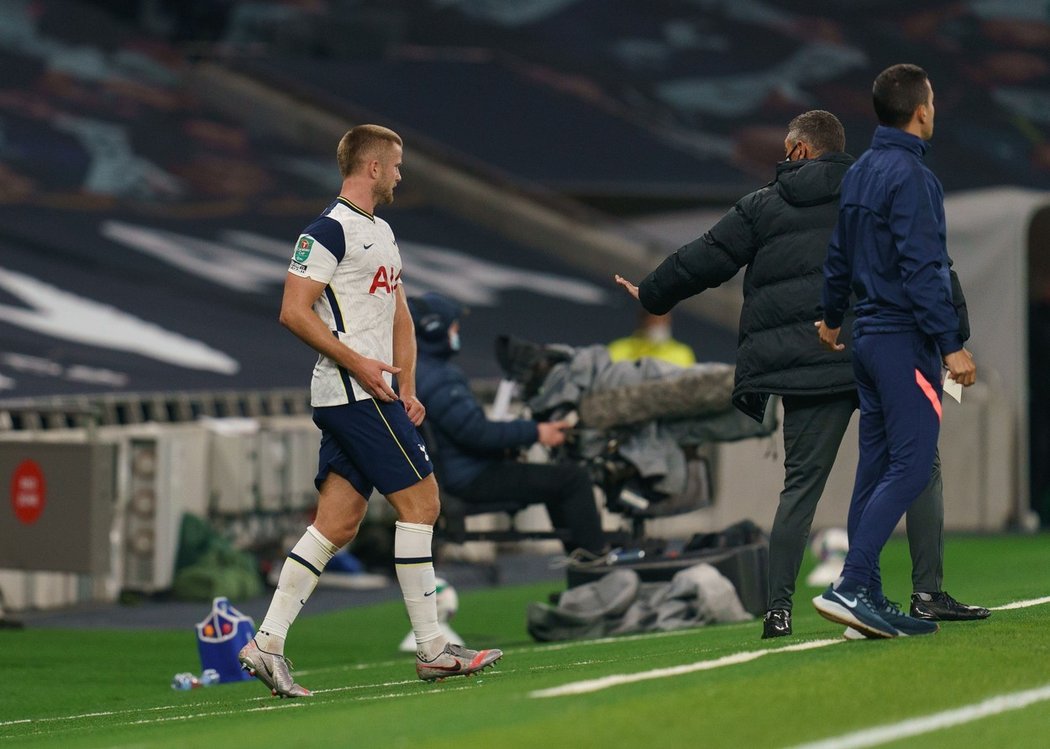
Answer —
(473, 449)
(781, 232)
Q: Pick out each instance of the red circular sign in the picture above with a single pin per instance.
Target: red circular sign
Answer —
(28, 491)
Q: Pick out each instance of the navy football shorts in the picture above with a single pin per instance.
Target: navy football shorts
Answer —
(371, 445)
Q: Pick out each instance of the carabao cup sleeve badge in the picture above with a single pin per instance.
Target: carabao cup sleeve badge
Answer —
(302, 248)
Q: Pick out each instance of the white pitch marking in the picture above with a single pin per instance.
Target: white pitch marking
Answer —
(395, 695)
(1022, 604)
(284, 706)
(104, 714)
(125, 722)
(350, 667)
(212, 714)
(537, 648)
(613, 641)
(594, 685)
(350, 687)
(608, 640)
(917, 726)
(559, 666)
(534, 649)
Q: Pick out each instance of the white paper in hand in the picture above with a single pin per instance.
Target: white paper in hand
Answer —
(952, 388)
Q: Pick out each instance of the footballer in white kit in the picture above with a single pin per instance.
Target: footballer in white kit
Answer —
(355, 254)
(372, 444)
(345, 281)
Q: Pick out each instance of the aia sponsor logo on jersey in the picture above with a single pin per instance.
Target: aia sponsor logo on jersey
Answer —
(385, 279)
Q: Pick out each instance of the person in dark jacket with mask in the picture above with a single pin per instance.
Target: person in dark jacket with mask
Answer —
(473, 449)
(780, 232)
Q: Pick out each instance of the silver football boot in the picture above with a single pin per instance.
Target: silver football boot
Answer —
(272, 670)
(456, 660)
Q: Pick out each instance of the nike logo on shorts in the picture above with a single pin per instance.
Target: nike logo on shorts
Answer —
(368, 245)
(430, 593)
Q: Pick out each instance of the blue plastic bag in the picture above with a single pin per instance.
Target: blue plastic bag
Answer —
(220, 637)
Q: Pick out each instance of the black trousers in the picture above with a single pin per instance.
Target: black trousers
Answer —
(564, 488)
(813, 430)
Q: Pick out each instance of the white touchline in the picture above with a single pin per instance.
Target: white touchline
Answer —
(284, 706)
(103, 714)
(145, 721)
(594, 685)
(572, 688)
(694, 631)
(350, 667)
(214, 713)
(1022, 604)
(916, 726)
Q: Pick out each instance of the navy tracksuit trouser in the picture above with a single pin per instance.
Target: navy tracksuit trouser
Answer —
(899, 384)
(813, 430)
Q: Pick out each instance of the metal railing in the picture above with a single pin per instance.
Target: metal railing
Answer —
(113, 409)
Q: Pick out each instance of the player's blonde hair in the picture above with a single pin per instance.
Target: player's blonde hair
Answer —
(359, 143)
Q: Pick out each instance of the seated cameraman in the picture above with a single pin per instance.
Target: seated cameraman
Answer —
(476, 455)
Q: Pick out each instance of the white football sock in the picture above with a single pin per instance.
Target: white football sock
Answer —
(414, 564)
(299, 575)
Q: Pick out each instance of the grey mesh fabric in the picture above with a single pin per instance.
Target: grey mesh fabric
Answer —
(619, 603)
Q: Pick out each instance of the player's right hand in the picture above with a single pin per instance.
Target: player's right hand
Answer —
(829, 337)
(369, 375)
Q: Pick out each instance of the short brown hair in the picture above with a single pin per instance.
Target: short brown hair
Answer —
(898, 91)
(821, 130)
(359, 142)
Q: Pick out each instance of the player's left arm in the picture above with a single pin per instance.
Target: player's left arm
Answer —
(405, 357)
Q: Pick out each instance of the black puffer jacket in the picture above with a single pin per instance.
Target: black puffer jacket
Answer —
(781, 233)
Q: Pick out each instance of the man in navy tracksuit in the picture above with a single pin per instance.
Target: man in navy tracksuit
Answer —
(889, 249)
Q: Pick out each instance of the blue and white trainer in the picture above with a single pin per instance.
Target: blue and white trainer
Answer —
(854, 609)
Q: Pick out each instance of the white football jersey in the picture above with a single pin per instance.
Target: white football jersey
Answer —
(355, 255)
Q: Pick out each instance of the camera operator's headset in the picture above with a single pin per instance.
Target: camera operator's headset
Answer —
(430, 326)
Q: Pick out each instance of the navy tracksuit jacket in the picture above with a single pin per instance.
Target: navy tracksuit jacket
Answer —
(889, 249)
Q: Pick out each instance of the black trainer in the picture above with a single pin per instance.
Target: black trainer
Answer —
(776, 624)
(942, 607)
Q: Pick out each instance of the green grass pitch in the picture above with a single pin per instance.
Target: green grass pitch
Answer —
(96, 688)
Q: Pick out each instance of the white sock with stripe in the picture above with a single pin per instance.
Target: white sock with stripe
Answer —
(414, 564)
(299, 576)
